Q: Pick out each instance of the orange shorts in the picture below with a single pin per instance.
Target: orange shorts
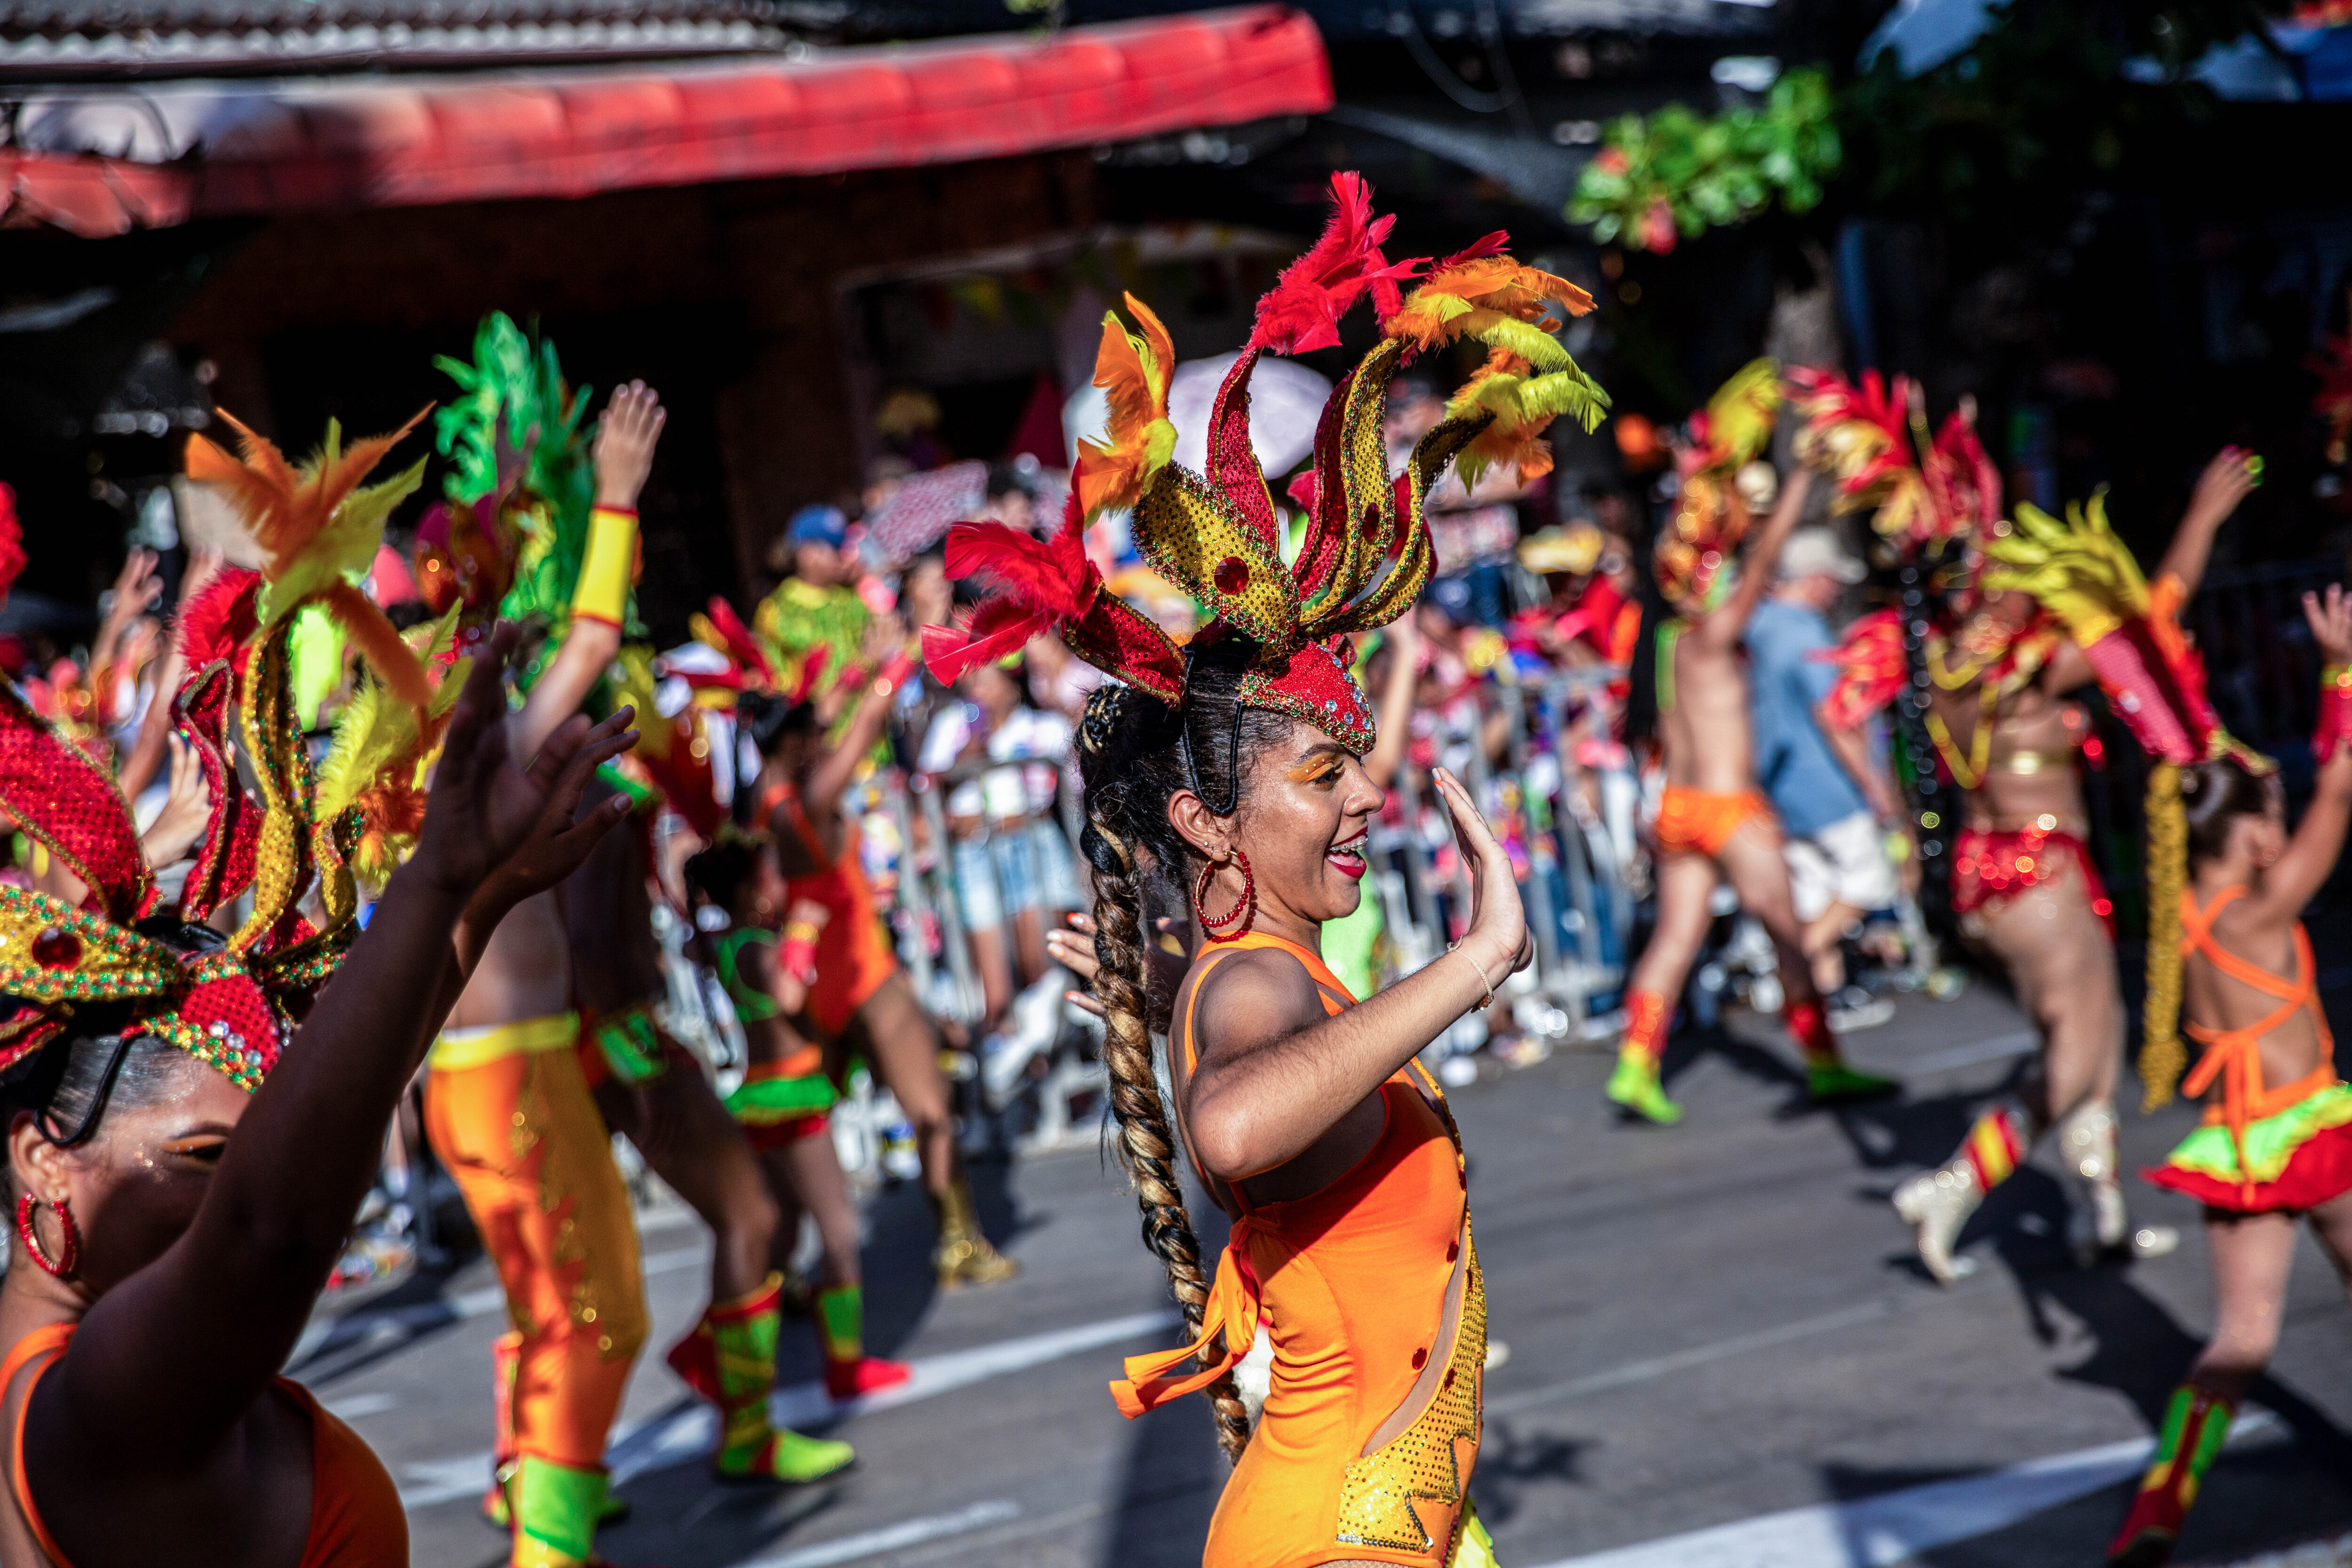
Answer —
(1703, 821)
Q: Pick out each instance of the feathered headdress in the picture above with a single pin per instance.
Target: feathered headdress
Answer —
(2154, 678)
(1711, 514)
(229, 1005)
(1873, 441)
(1366, 555)
(381, 748)
(12, 543)
(514, 433)
(318, 530)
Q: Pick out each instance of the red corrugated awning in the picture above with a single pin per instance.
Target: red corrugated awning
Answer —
(101, 160)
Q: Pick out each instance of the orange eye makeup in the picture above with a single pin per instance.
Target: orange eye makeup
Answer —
(1317, 769)
(197, 1146)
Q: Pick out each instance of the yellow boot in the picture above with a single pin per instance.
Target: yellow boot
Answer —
(963, 1256)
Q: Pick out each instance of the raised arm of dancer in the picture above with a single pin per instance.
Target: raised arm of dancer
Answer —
(138, 769)
(2220, 488)
(2295, 878)
(625, 438)
(1272, 1083)
(167, 1362)
(1723, 626)
(821, 792)
(1388, 751)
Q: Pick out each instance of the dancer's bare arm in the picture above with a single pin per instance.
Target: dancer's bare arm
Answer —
(1388, 751)
(626, 439)
(201, 1332)
(2295, 879)
(1721, 628)
(1275, 1074)
(822, 791)
(2220, 488)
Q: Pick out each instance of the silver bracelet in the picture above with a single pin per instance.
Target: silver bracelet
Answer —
(1480, 969)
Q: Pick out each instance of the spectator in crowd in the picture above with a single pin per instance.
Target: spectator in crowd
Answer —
(1002, 759)
(1830, 789)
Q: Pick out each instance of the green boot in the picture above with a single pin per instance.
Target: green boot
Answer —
(1831, 1080)
(1635, 1087)
(750, 1448)
(555, 1512)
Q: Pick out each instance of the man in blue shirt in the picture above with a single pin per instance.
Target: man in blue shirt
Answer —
(1829, 790)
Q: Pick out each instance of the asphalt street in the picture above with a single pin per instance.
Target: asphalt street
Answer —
(1720, 1353)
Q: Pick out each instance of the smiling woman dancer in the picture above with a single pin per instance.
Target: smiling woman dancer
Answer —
(1236, 764)
(185, 1161)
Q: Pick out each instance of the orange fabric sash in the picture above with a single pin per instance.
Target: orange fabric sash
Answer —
(1153, 1379)
(2234, 1055)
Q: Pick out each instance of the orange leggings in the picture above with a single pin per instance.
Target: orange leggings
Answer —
(522, 1137)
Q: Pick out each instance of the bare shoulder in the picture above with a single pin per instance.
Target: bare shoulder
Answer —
(1254, 996)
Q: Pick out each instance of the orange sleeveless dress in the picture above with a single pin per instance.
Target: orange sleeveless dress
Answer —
(2260, 1150)
(1352, 1282)
(356, 1519)
(854, 955)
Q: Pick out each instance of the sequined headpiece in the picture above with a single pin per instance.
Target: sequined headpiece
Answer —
(227, 1006)
(1366, 555)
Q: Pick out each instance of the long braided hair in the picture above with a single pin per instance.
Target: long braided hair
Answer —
(1134, 754)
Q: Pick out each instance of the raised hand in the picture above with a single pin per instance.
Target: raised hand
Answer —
(1074, 950)
(188, 810)
(2225, 482)
(489, 817)
(2331, 623)
(1497, 936)
(136, 589)
(625, 438)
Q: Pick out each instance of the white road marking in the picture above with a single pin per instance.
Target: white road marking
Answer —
(1658, 1366)
(894, 1537)
(693, 1426)
(359, 1405)
(1896, 1526)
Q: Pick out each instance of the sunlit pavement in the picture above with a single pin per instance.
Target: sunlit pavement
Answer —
(1720, 1354)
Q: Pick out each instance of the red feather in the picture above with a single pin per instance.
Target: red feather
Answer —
(11, 543)
(1302, 310)
(997, 629)
(1046, 575)
(742, 645)
(1493, 245)
(218, 622)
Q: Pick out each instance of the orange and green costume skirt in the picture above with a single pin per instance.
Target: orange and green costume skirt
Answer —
(780, 1103)
(2295, 1159)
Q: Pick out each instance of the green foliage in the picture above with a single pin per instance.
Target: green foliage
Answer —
(537, 443)
(1673, 176)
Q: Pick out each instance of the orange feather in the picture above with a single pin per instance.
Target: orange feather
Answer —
(380, 642)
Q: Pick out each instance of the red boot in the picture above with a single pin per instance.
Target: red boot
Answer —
(2195, 1428)
(849, 1372)
(862, 1375)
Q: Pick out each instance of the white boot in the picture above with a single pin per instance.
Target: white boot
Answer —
(2086, 1137)
(1936, 1204)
